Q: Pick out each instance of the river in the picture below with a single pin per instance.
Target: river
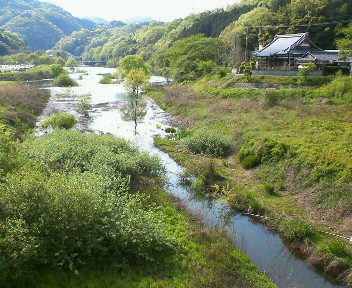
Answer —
(263, 246)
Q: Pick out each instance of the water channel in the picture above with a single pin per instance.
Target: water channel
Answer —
(263, 246)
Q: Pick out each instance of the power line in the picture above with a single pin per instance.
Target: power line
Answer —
(300, 25)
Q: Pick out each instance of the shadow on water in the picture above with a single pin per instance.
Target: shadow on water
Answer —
(263, 246)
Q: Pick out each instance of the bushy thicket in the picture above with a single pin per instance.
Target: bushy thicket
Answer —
(68, 204)
(60, 120)
(256, 151)
(117, 161)
(209, 143)
(64, 80)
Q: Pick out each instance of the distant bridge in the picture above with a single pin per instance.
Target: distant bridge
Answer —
(92, 62)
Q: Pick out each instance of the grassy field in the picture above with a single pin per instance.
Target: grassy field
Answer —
(291, 155)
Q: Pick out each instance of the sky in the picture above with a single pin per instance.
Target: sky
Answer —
(161, 10)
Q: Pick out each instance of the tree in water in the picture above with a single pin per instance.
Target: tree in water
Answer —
(136, 82)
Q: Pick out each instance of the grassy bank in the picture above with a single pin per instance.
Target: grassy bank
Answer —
(37, 73)
(84, 210)
(290, 156)
(20, 106)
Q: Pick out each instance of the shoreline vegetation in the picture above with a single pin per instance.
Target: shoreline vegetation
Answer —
(76, 208)
(288, 157)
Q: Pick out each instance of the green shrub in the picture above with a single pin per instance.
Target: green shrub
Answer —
(107, 79)
(250, 161)
(64, 80)
(170, 130)
(56, 70)
(338, 248)
(262, 150)
(269, 188)
(296, 230)
(60, 120)
(66, 221)
(332, 70)
(10, 153)
(221, 72)
(118, 162)
(85, 104)
(209, 143)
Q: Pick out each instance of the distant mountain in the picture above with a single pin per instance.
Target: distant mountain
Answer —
(41, 24)
(138, 20)
(97, 20)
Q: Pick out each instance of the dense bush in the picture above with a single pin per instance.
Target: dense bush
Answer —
(332, 70)
(340, 88)
(118, 162)
(209, 143)
(64, 80)
(296, 230)
(60, 120)
(256, 151)
(67, 221)
(9, 153)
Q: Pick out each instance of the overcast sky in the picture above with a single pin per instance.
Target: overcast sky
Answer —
(162, 10)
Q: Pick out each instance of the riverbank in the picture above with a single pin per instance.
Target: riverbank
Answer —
(301, 161)
(47, 171)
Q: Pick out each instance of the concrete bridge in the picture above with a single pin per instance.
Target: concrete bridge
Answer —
(92, 62)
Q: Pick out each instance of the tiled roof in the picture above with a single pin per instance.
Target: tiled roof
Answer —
(327, 56)
(287, 44)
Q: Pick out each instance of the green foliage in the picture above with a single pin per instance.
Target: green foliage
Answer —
(10, 43)
(59, 120)
(250, 161)
(64, 80)
(270, 189)
(297, 230)
(333, 70)
(10, 155)
(107, 79)
(207, 142)
(72, 63)
(338, 248)
(56, 70)
(132, 62)
(85, 104)
(119, 163)
(65, 221)
(261, 150)
(35, 20)
(304, 72)
(344, 44)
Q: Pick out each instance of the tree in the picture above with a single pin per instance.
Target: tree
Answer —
(132, 62)
(136, 81)
(72, 64)
(56, 70)
(345, 44)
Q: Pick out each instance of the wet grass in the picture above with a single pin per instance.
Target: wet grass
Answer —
(311, 179)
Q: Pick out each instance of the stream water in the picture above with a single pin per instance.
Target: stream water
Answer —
(263, 246)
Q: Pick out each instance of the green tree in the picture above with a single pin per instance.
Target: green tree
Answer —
(136, 82)
(72, 63)
(132, 62)
(345, 44)
(56, 70)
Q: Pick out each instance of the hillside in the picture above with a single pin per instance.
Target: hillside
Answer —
(35, 21)
(11, 43)
(258, 20)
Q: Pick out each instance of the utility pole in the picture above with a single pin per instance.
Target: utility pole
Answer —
(246, 51)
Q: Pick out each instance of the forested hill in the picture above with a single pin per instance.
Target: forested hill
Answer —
(256, 20)
(40, 24)
(11, 43)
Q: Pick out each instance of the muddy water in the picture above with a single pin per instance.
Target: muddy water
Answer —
(264, 247)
